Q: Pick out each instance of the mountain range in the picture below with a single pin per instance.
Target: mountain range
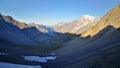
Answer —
(19, 33)
(88, 42)
(77, 26)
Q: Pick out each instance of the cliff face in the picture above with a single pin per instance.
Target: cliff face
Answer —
(111, 18)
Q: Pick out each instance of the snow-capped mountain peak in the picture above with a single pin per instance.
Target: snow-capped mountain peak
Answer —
(77, 26)
(88, 17)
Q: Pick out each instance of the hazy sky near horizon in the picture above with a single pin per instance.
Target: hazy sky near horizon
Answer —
(51, 12)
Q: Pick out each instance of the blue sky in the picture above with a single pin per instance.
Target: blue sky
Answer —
(54, 11)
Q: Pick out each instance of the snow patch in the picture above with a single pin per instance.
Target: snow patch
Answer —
(10, 65)
(50, 58)
(88, 17)
(39, 59)
(3, 54)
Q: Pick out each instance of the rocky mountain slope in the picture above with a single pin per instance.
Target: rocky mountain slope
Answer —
(41, 28)
(36, 35)
(77, 26)
(12, 34)
(111, 18)
(13, 21)
(22, 25)
(34, 32)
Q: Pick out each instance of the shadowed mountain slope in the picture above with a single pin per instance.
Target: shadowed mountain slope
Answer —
(13, 34)
(36, 35)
